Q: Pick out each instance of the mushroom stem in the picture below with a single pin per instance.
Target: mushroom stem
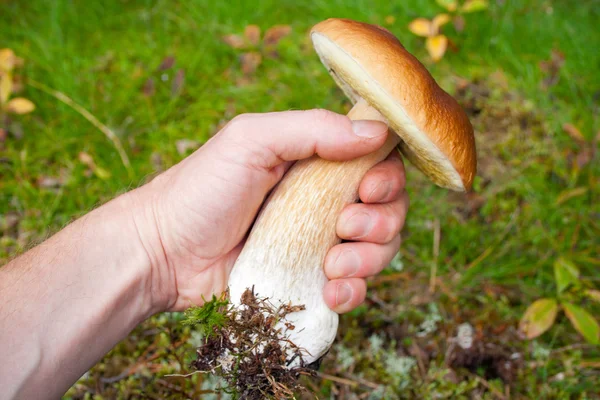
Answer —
(284, 254)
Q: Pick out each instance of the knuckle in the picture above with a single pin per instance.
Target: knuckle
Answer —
(321, 116)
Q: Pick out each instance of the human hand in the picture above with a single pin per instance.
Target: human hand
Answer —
(193, 218)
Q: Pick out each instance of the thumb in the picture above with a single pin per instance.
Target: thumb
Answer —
(275, 138)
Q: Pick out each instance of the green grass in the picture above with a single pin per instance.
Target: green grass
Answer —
(101, 54)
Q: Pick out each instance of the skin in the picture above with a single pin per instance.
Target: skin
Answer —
(164, 246)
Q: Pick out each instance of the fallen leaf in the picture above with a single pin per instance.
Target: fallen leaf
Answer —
(20, 106)
(568, 194)
(149, 88)
(178, 81)
(3, 135)
(389, 20)
(252, 33)
(250, 62)
(436, 46)
(565, 274)
(5, 87)
(583, 322)
(471, 6)
(184, 145)
(459, 23)
(274, 34)
(234, 41)
(449, 5)
(440, 20)
(167, 63)
(420, 27)
(538, 317)
(7, 60)
(574, 133)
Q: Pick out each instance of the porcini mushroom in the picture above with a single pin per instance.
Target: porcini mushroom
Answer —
(284, 254)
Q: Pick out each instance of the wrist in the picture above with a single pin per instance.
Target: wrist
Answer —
(140, 204)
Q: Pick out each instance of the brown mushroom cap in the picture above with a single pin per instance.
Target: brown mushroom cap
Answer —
(369, 62)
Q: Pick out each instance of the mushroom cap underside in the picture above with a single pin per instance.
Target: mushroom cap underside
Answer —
(368, 62)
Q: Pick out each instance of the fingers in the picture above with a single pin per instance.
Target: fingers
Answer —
(343, 295)
(274, 138)
(376, 223)
(358, 259)
(384, 181)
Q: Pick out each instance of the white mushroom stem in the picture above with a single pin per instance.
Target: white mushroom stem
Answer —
(283, 257)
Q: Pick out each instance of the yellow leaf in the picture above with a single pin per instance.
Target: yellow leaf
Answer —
(420, 27)
(439, 21)
(7, 59)
(5, 87)
(538, 317)
(389, 20)
(20, 105)
(252, 33)
(436, 46)
(449, 5)
(474, 5)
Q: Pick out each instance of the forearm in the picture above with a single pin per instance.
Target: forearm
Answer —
(67, 302)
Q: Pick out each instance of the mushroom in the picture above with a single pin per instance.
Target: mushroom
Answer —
(284, 254)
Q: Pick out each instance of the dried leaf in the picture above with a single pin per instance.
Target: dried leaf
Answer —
(436, 46)
(252, 33)
(389, 20)
(440, 20)
(234, 41)
(3, 135)
(583, 322)
(593, 294)
(474, 5)
(565, 273)
(20, 105)
(250, 62)
(575, 133)
(568, 194)
(459, 23)
(149, 88)
(184, 145)
(449, 5)
(167, 63)
(7, 60)
(420, 27)
(277, 32)
(538, 317)
(178, 82)
(5, 87)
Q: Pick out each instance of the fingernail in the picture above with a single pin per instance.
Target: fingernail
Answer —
(347, 264)
(357, 226)
(381, 191)
(368, 128)
(343, 294)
